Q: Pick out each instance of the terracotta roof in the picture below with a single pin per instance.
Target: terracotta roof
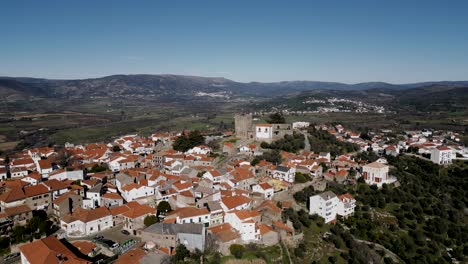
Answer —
(225, 232)
(45, 164)
(86, 216)
(131, 257)
(271, 205)
(443, 148)
(265, 229)
(63, 197)
(84, 247)
(233, 201)
(34, 190)
(181, 186)
(12, 195)
(111, 195)
(119, 210)
(34, 175)
(11, 211)
(138, 211)
(264, 125)
(55, 185)
(131, 186)
(186, 193)
(283, 226)
(246, 214)
(185, 212)
(15, 183)
(48, 250)
(342, 173)
(265, 185)
(346, 195)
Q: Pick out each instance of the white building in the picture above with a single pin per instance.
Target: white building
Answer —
(245, 223)
(18, 172)
(134, 191)
(239, 202)
(441, 155)
(265, 189)
(186, 215)
(299, 125)
(264, 132)
(121, 163)
(324, 205)
(67, 175)
(84, 222)
(284, 173)
(376, 173)
(199, 150)
(346, 205)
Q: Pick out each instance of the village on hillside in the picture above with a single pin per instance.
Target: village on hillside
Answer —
(151, 199)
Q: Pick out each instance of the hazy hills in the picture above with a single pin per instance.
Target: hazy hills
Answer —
(179, 86)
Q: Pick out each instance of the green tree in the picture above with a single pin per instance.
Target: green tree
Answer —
(150, 220)
(181, 253)
(184, 143)
(163, 207)
(237, 250)
(276, 118)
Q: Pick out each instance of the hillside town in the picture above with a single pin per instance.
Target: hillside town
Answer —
(146, 199)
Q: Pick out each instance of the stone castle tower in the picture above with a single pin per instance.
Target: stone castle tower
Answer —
(243, 124)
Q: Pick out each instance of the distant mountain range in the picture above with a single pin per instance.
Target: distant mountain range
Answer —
(173, 86)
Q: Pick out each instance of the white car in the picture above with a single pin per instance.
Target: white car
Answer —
(115, 246)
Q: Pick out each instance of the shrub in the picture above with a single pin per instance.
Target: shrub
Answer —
(237, 250)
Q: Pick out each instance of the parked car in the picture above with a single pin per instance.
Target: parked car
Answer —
(114, 246)
(98, 238)
(125, 232)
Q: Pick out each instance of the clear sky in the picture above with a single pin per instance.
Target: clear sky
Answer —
(347, 41)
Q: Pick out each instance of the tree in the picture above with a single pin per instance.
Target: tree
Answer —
(163, 207)
(116, 148)
(184, 143)
(150, 220)
(237, 250)
(97, 168)
(181, 253)
(276, 118)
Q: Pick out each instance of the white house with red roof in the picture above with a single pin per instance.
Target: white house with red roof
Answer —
(346, 205)
(238, 202)
(134, 191)
(264, 188)
(44, 166)
(441, 155)
(121, 163)
(84, 222)
(245, 222)
(185, 215)
(214, 176)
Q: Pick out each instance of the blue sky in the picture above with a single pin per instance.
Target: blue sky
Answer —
(345, 41)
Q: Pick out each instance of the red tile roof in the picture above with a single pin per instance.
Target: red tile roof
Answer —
(48, 250)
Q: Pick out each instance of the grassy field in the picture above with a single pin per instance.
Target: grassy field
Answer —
(100, 119)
